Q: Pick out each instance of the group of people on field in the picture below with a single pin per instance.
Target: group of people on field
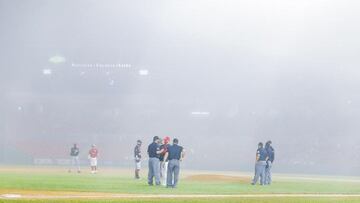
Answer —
(265, 157)
(92, 156)
(164, 161)
(165, 158)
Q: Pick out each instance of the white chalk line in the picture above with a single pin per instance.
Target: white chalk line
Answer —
(162, 196)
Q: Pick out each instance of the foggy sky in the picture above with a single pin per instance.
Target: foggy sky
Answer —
(286, 71)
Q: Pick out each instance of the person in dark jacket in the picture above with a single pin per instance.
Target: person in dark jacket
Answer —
(271, 153)
(75, 162)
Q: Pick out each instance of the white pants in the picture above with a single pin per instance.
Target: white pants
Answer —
(163, 172)
(93, 161)
(138, 165)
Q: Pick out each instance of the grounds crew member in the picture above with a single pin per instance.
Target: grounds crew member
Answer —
(74, 153)
(261, 157)
(137, 156)
(175, 155)
(271, 154)
(164, 162)
(154, 162)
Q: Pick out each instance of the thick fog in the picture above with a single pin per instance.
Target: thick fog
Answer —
(219, 75)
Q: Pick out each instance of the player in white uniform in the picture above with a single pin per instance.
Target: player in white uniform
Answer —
(93, 155)
(164, 162)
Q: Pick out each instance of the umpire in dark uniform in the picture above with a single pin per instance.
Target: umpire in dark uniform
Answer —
(261, 158)
(154, 162)
(271, 153)
(175, 154)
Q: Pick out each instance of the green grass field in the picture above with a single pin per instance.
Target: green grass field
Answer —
(227, 200)
(196, 185)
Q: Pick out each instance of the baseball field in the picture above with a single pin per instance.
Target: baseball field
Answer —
(55, 184)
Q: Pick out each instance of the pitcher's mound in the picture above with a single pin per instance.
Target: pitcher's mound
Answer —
(218, 178)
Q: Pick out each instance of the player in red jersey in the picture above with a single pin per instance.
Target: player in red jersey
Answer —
(93, 155)
(164, 162)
